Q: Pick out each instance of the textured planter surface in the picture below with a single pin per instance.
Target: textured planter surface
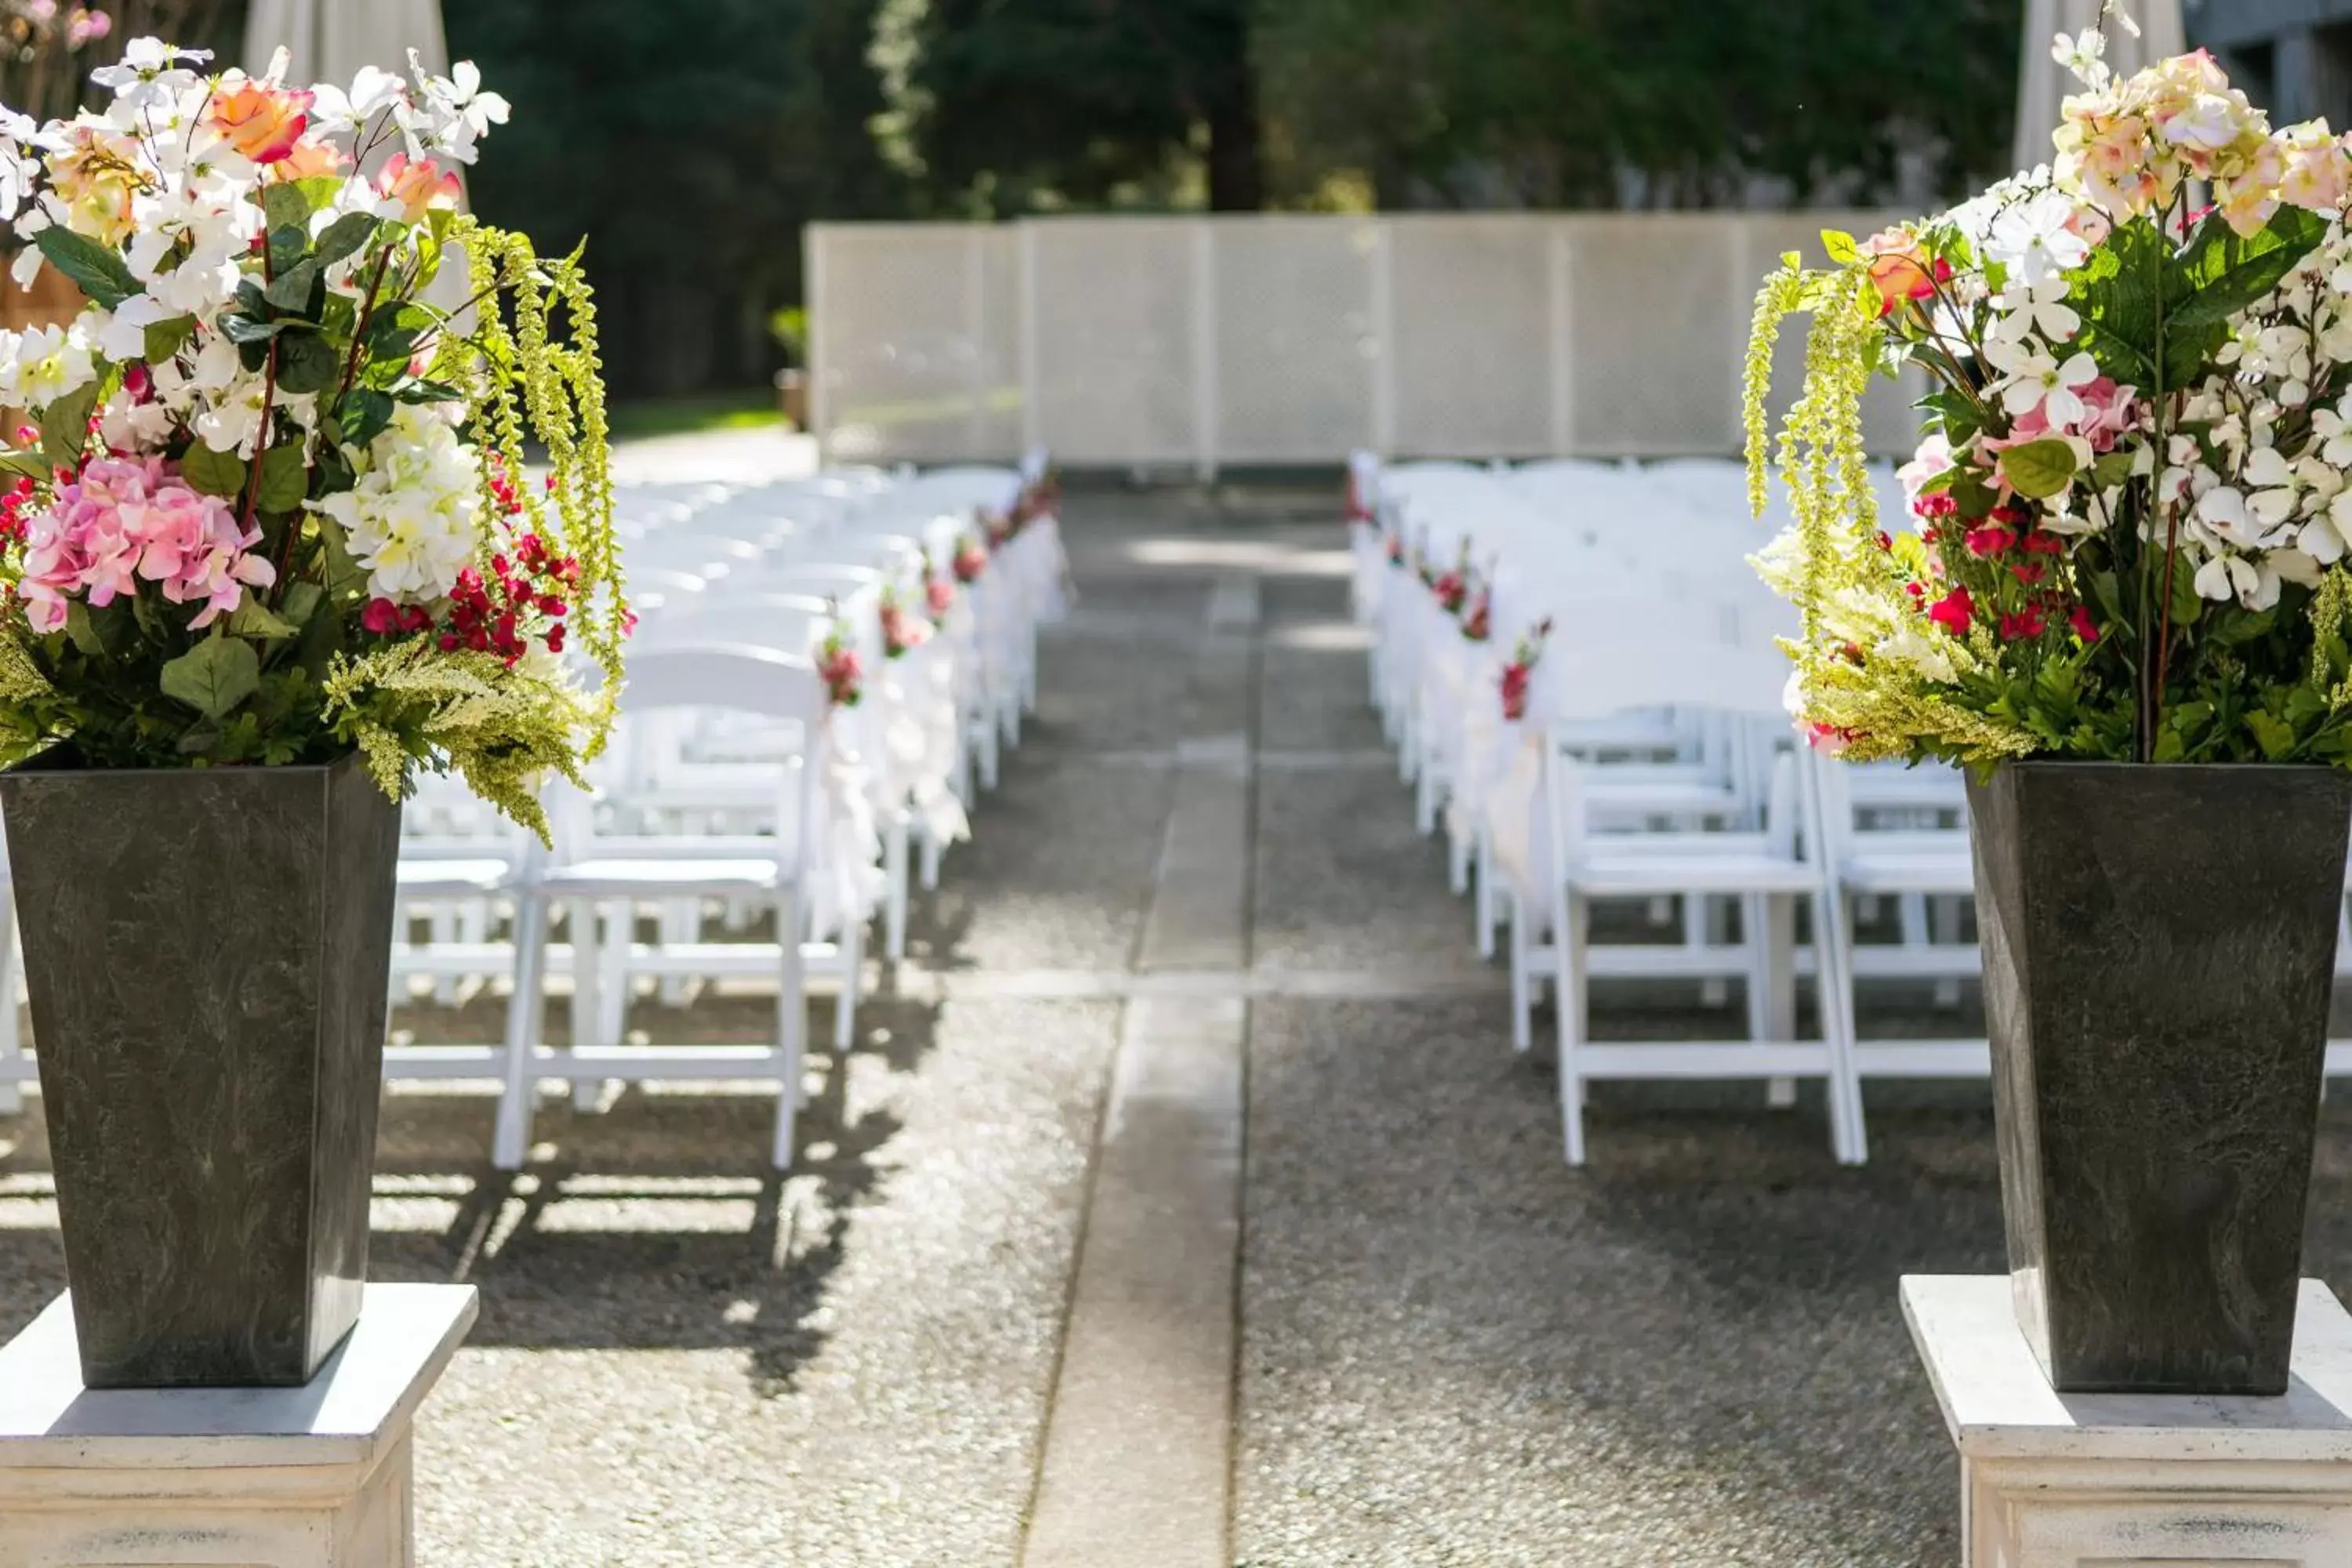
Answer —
(207, 954)
(2159, 949)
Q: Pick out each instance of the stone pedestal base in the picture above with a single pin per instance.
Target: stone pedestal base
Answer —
(2091, 1480)
(316, 1477)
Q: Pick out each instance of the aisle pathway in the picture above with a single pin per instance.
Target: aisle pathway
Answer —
(1182, 1204)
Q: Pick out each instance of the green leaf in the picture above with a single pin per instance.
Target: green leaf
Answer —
(1839, 246)
(344, 236)
(365, 414)
(392, 333)
(2244, 627)
(306, 363)
(166, 338)
(2039, 469)
(252, 618)
(215, 473)
(344, 575)
(290, 289)
(284, 479)
(2219, 273)
(285, 206)
(65, 425)
(242, 328)
(2111, 471)
(2188, 605)
(102, 634)
(320, 191)
(287, 247)
(148, 611)
(215, 676)
(97, 271)
(2274, 735)
(302, 602)
(2119, 292)
(429, 392)
(25, 465)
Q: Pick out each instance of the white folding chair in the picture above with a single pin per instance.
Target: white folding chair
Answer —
(1775, 864)
(596, 865)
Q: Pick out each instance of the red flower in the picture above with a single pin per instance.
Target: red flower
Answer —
(382, 616)
(1954, 612)
(2085, 627)
(2029, 573)
(1984, 541)
(2041, 543)
(2030, 622)
(1515, 691)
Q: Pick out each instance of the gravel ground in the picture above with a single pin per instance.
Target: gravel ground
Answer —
(1455, 1350)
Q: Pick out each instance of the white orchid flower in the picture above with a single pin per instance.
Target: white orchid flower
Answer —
(2033, 239)
(121, 332)
(2038, 307)
(2036, 380)
(147, 76)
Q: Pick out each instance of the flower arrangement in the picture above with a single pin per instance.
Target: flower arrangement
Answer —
(1519, 672)
(1477, 619)
(970, 560)
(837, 665)
(902, 631)
(270, 508)
(1453, 588)
(939, 595)
(2130, 515)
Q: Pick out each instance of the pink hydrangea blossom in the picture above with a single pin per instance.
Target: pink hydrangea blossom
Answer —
(124, 521)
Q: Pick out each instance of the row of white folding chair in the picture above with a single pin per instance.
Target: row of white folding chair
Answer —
(593, 871)
(1767, 868)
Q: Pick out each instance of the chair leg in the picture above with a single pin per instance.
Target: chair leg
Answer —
(852, 964)
(1523, 1023)
(895, 872)
(1484, 873)
(612, 991)
(990, 753)
(681, 922)
(525, 1009)
(587, 1009)
(928, 864)
(1457, 860)
(1777, 938)
(1568, 944)
(1833, 939)
(792, 1026)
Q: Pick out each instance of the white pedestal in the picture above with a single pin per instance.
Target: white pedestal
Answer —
(316, 1477)
(2105, 1481)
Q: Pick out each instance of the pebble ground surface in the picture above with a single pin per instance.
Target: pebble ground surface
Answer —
(1454, 1349)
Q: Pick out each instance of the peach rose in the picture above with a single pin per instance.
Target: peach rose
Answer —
(312, 156)
(418, 185)
(262, 123)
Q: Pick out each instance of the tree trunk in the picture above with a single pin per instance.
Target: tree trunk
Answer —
(1236, 136)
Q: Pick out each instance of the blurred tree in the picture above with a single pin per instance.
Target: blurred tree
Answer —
(1601, 102)
(1008, 104)
(687, 156)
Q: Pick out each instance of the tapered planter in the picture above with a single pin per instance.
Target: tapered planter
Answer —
(2160, 947)
(207, 954)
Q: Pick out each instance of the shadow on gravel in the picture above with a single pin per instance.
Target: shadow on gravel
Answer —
(653, 1223)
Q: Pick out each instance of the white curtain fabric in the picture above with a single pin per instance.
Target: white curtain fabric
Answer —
(2043, 83)
(329, 40)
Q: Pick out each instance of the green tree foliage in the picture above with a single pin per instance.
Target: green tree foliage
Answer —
(1008, 104)
(687, 145)
(1554, 102)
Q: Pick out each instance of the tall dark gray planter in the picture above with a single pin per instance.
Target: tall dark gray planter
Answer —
(207, 954)
(2160, 947)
